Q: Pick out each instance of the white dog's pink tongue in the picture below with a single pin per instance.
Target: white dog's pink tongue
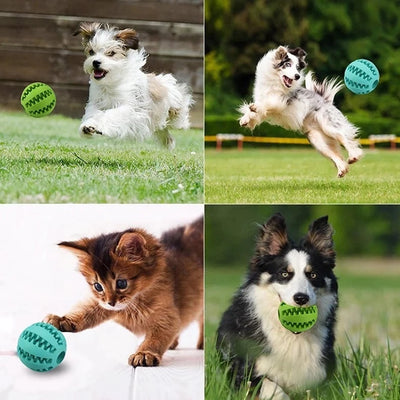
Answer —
(98, 73)
(288, 81)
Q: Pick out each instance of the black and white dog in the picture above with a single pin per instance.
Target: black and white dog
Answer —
(280, 99)
(251, 337)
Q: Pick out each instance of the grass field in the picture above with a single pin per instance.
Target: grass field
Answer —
(368, 332)
(46, 161)
(287, 175)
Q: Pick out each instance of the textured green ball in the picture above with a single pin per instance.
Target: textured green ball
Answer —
(38, 99)
(361, 76)
(297, 319)
(41, 347)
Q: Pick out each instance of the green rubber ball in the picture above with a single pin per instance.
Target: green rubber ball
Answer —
(38, 99)
(41, 347)
(297, 319)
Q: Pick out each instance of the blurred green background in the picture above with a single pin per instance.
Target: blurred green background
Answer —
(334, 33)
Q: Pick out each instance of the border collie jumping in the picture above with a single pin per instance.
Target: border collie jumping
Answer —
(252, 340)
(280, 99)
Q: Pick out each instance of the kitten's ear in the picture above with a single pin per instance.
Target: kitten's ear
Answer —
(132, 245)
(273, 236)
(79, 248)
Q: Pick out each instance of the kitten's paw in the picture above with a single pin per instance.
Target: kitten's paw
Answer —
(174, 344)
(63, 324)
(144, 359)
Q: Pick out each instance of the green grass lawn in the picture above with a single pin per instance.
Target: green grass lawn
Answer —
(287, 175)
(46, 161)
(368, 332)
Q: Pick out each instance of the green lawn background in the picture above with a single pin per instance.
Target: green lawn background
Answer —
(297, 176)
(46, 161)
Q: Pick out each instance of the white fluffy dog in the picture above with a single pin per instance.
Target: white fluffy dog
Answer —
(123, 100)
(280, 99)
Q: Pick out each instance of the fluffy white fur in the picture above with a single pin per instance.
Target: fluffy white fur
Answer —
(282, 363)
(280, 98)
(123, 100)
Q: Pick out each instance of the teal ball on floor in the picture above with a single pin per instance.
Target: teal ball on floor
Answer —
(41, 347)
(361, 76)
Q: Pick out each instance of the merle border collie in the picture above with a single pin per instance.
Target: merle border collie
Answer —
(280, 99)
(250, 336)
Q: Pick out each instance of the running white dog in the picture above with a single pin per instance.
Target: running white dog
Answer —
(123, 100)
(280, 99)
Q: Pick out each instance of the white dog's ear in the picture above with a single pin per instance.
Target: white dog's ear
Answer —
(129, 38)
(273, 237)
(298, 52)
(280, 53)
(87, 30)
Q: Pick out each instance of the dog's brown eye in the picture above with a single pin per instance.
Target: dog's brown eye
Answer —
(91, 52)
(111, 53)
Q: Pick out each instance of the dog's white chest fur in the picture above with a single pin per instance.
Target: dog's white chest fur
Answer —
(293, 361)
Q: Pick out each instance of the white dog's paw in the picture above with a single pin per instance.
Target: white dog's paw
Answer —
(244, 121)
(271, 391)
(355, 155)
(88, 128)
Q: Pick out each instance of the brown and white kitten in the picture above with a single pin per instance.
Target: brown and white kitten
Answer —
(150, 286)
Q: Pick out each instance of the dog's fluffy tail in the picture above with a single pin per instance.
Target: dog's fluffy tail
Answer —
(327, 89)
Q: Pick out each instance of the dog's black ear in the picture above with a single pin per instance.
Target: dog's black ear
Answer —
(87, 30)
(273, 236)
(129, 37)
(320, 237)
(298, 52)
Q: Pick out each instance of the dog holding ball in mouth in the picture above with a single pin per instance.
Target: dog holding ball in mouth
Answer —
(124, 101)
(279, 328)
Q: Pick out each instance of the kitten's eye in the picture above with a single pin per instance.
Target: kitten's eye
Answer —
(122, 283)
(98, 287)
(91, 52)
(313, 275)
(284, 274)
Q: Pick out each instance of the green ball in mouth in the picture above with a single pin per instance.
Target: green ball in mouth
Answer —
(297, 319)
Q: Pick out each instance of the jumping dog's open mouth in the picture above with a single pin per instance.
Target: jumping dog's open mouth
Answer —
(287, 81)
(99, 73)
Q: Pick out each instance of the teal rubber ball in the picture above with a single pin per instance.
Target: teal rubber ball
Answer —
(361, 76)
(41, 347)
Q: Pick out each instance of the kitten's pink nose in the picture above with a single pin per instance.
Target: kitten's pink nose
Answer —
(111, 303)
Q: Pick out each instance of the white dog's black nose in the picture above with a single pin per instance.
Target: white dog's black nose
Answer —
(297, 77)
(96, 64)
(301, 298)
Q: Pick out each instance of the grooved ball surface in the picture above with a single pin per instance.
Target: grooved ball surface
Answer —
(297, 319)
(361, 76)
(41, 347)
(38, 99)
